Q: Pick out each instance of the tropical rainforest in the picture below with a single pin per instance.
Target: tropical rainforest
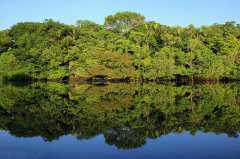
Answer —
(126, 46)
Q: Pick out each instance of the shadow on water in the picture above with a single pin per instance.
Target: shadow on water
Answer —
(125, 113)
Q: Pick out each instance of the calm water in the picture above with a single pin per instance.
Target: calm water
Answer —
(123, 121)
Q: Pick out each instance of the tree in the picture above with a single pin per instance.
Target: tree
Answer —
(5, 41)
(123, 21)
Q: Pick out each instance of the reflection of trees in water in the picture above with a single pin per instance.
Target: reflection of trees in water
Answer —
(125, 137)
(126, 114)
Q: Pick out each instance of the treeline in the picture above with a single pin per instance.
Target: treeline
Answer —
(125, 47)
(126, 114)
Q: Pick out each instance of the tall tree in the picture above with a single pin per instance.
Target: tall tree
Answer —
(123, 21)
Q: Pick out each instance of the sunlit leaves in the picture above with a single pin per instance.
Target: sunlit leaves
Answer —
(126, 46)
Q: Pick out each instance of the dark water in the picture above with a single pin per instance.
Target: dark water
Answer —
(123, 121)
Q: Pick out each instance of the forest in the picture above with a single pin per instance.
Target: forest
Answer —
(125, 47)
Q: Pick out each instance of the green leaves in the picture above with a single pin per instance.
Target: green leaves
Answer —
(8, 63)
(123, 21)
(124, 47)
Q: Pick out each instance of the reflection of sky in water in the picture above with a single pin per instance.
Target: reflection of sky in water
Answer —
(201, 145)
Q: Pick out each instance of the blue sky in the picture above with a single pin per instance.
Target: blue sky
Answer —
(169, 12)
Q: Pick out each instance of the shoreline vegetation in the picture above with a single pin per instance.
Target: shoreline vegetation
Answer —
(125, 48)
(105, 81)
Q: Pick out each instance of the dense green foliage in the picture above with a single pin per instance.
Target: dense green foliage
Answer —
(126, 46)
(126, 114)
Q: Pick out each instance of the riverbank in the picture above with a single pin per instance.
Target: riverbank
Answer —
(104, 80)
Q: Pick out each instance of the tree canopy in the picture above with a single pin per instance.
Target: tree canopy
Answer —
(125, 47)
(124, 21)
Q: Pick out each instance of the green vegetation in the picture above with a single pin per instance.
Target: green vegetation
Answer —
(125, 47)
(126, 114)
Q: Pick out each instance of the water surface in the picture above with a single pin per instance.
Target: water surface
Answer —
(55, 120)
